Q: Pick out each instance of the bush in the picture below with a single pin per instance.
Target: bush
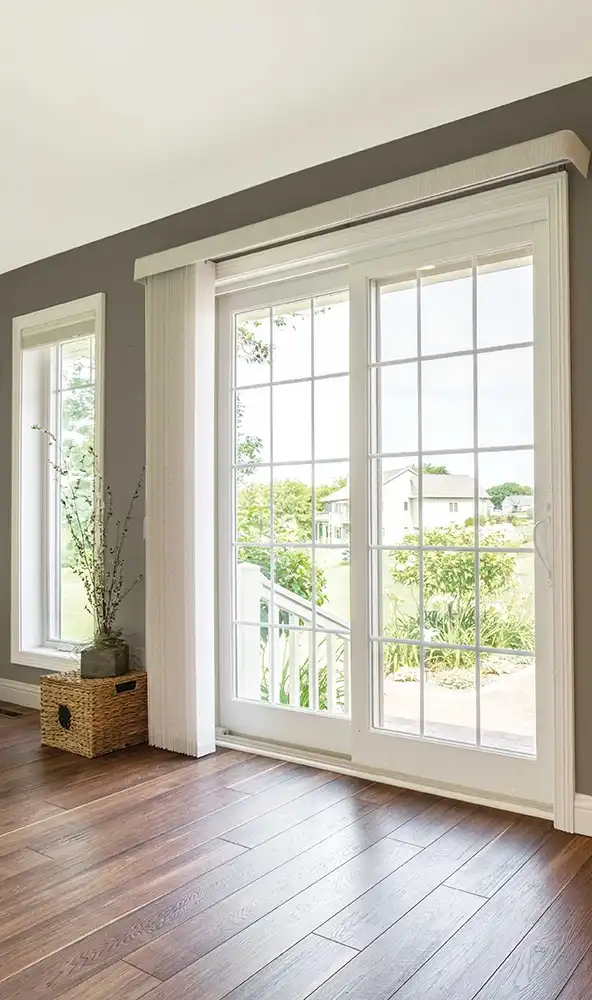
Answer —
(453, 621)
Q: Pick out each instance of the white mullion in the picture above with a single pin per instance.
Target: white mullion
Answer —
(431, 644)
(477, 508)
(375, 480)
(273, 632)
(314, 689)
(377, 484)
(297, 381)
(451, 548)
(55, 564)
(452, 451)
(468, 352)
(422, 678)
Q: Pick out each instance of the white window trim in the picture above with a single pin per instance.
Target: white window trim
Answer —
(39, 328)
(544, 195)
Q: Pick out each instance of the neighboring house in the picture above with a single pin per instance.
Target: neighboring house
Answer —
(519, 505)
(447, 499)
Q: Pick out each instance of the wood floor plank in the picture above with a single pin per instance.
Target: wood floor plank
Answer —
(38, 939)
(274, 776)
(260, 943)
(579, 985)
(424, 829)
(118, 982)
(296, 973)
(466, 962)
(233, 962)
(88, 877)
(18, 862)
(377, 971)
(212, 926)
(548, 955)
(170, 810)
(257, 831)
(495, 864)
(47, 834)
(358, 924)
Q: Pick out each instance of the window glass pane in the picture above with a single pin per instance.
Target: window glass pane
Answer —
(504, 301)
(397, 305)
(332, 588)
(252, 347)
(331, 430)
(331, 333)
(506, 488)
(252, 504)
(74, 413)
(450, 700)
(333, 670)
(508, 703)
(77, 359)
(292, 422)
(292, 503)
(252, 426)
(252, 655)
(398, 599)
(332, 503)
(447, 310)
(399, 705)
(449, 602)
(252, 585)
(398, 408)
(396, 510)
(77, 623)
(448, 499)
(291, 339)
(447, 404)
(506, 398)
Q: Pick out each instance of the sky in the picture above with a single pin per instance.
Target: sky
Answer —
(504, 378)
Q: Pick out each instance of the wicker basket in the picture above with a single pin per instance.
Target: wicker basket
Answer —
(93, 716)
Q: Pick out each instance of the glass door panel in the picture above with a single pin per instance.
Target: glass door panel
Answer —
(452, 464)
(290, 559)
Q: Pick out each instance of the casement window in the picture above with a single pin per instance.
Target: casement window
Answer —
(57, 386)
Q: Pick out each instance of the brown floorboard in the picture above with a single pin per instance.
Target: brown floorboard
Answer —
(147, 874)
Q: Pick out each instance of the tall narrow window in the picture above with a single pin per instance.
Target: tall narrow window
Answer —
(57, 366)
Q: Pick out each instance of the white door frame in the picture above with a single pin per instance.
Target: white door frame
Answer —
(546, 195)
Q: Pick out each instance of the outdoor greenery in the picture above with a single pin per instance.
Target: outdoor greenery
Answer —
(305, 680)
(498, 494)
(506, 621)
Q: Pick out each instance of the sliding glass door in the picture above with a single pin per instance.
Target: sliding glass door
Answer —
(385, 448)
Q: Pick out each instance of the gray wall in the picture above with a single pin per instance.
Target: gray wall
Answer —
(108, 266)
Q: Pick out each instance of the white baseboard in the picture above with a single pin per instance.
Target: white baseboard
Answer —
(583, 814)
(19, 693)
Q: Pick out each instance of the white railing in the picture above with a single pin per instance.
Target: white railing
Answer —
(289, 663)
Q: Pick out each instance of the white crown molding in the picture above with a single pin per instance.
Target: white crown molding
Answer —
(470, 175)
(19, 693)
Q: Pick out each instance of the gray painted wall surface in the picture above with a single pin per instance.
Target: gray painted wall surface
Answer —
(107, 266)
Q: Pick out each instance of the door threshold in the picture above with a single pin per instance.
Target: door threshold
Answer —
(341, 764)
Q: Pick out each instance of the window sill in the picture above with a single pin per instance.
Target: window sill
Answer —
(45, 658)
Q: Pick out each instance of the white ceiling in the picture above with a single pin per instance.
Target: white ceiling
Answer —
(117, 112)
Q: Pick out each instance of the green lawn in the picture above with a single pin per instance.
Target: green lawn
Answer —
(77, 623)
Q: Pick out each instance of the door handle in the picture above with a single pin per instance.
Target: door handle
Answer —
(539, 552)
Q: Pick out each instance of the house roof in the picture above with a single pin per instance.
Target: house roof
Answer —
(435, 487)
(522, 500)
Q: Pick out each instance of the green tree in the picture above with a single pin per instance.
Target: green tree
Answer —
(498, 494)
(453, 573)
(435, 470)
(292, 570)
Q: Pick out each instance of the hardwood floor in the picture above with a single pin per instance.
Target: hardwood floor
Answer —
(146, 874)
